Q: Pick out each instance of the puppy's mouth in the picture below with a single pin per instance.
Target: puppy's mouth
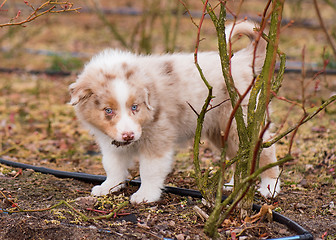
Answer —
(120, 144)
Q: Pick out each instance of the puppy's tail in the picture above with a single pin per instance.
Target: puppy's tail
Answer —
(256, 50)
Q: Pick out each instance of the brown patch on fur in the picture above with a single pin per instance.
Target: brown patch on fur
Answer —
(87, 95)
(124, 66)
(129, 73)
(181, 107)
(112, 103)
(168, 68)
(109, 76)
(129, 70)
(142, 115)
(155, 145)
(97, 102)
(109, 117)
(98, 118)
(157, 114)
(131, 100)
(103, 85)
(80, 93)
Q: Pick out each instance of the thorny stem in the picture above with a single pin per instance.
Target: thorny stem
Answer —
(212, 223)
(263, 88)
(257, 121)
(250, 179)
(243, 188)
(225, 63)
(201, 115)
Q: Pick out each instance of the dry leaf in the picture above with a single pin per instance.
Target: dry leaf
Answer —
(265, 211)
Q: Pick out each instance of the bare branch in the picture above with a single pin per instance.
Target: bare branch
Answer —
(38, 12)
(186, 8)
(192, 108)
(217, 105)
(201, 115)
(306, 119)
(3, 3)
(318, 13)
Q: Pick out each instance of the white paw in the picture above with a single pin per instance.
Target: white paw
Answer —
(269, 187)
(146, 195)
(106, 188)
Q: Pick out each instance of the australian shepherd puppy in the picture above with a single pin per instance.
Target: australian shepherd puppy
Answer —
(137, 107)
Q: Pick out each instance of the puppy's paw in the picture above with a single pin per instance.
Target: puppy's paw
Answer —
(105, 188)
(145, 195)
(269, 187)
(99, 190)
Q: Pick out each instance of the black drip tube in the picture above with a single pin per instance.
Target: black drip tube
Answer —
(303, 234)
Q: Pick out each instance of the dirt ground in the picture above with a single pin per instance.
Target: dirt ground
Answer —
(37, 127)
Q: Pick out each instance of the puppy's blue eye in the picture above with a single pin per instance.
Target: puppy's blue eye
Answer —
(108, 111)
(134, 107)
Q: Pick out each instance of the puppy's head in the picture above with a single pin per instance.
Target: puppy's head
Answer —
(114, 100)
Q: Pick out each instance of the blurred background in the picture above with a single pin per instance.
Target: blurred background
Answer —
(62, 42)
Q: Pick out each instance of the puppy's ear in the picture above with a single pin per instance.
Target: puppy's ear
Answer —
(147, 99)
(79, 92)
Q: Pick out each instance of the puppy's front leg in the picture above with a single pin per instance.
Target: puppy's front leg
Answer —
(270, 182)
(153, 172)
(116, 168)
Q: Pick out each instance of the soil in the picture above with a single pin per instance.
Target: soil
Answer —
(171, 218)
(37, 127)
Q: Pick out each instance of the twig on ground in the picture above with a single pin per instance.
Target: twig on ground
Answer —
(201, 213)
(66, 203)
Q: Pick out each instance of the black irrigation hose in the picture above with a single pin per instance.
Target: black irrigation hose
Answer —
(302, 233)
(288, 69)
(35, 72)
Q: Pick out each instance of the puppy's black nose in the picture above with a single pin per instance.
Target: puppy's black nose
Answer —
(128, 136)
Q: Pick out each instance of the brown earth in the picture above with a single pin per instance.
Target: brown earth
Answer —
(38, 128)
(171, 218)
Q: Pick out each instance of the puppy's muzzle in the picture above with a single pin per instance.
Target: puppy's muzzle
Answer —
(127, 137)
